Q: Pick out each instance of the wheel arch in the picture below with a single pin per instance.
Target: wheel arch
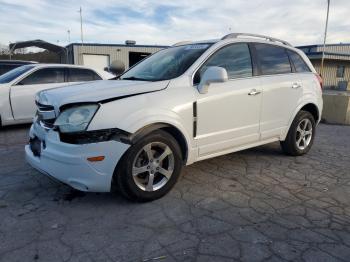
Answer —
(170, 129)
(141, 132)
(307, 106)
(313, 109)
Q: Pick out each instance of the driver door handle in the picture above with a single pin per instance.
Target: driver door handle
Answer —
(254, 92)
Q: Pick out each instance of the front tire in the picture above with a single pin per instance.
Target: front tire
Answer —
(149, 168)
(301, 135)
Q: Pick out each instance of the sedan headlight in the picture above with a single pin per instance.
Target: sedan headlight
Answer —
(76, 119)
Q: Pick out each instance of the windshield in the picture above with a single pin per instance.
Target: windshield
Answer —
(14, 73)
(166, 64)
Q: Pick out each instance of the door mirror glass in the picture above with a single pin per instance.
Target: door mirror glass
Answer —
(213, 74)
(117, 67)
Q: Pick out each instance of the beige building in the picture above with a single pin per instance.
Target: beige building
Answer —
(336, 72)
(100, 56)
(336, 76)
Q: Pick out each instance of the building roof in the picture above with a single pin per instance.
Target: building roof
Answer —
(321, 45)
(116, 45)
(37, 43)
(332, 51)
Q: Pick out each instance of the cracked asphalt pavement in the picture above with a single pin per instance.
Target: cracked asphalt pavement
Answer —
(254, 205)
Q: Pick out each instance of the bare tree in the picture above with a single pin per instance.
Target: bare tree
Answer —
(4, 50)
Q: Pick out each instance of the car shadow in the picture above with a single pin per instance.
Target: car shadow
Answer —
(15, 127)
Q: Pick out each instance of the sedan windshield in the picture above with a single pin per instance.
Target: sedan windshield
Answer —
(166, 64)
(14, 73)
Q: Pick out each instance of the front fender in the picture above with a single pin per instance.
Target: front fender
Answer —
(139, 120)
(132, 115)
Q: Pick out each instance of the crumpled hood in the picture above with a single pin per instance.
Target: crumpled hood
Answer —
(97, 91)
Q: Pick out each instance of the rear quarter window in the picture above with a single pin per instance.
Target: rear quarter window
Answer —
(299, 63)
(82, 75)
(272, 59)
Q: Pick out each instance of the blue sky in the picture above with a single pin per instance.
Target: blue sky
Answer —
(165, 22)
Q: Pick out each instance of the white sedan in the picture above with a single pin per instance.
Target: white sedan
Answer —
(19, 86)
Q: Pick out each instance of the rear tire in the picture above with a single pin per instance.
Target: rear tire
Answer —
(301, 135)
(150, 168)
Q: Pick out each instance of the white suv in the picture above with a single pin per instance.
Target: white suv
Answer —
(190, 102)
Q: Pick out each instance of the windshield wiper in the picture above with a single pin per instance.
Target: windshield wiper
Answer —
(135, 78)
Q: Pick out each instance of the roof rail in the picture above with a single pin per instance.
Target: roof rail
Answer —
(269, 38)
(182, 43)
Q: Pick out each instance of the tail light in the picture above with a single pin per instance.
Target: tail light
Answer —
(320, 80)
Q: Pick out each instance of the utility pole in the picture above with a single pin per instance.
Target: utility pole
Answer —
(68, 32)
(325, 38)
(10, 51)
(81, 26)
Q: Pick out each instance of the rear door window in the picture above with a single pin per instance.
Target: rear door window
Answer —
(299, 63)
(82, 75)
(44, 76)
(273, 59)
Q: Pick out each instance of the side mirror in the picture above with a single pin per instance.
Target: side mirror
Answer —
(213, 74)
(117, 67)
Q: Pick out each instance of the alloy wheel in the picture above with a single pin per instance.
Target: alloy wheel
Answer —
(153, 166)
(304, 134)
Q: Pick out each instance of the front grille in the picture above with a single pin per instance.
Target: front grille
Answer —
(46, 115)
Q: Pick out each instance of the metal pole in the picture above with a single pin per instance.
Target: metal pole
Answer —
(68, 31)
(325, 38)
(81, 26)
(66, 51)
(12, 51)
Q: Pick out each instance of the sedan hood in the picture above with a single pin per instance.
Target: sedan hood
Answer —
(97, 91)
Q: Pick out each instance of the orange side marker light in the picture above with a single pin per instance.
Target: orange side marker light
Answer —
(96, 158)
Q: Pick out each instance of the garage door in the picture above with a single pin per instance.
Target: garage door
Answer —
(96, 61)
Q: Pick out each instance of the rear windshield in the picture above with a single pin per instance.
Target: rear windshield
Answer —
(14, 73)
(4, 68)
